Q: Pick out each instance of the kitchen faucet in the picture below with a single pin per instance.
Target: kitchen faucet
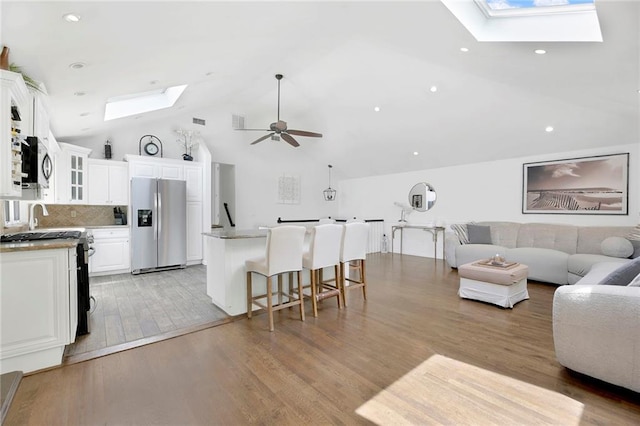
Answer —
(33, 222)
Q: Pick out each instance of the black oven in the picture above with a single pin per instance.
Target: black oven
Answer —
(84, 295)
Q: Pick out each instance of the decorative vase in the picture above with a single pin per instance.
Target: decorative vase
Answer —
(187, 157)
(4, 58)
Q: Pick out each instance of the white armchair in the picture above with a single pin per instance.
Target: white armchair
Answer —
(596, 331)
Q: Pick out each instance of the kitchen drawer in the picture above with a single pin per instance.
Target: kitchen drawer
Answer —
(108, 233)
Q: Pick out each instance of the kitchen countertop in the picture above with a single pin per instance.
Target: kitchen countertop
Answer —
(234, 234)
(38, 245)
(60, 243)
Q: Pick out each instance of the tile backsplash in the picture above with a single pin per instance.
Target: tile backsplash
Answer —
(63, 215)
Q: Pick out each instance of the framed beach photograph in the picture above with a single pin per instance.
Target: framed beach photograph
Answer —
(587, 185)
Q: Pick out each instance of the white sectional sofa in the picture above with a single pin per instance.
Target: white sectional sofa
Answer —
(596, 328)
(558, 254)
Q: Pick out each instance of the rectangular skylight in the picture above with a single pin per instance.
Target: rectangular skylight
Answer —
(502, 8)
(138, 103)
(528, 20)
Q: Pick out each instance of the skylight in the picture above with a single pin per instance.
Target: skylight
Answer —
(501, 8)
(138, 103)
(528, 20)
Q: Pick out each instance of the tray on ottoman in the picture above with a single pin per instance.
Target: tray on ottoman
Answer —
(501, 285)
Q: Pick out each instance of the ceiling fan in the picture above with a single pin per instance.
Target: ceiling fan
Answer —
(279, 128)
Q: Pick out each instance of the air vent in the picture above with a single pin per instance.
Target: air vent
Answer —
(199, 121)
(237, 121)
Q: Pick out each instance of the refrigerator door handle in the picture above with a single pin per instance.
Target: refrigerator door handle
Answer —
(158, 211)
(156, 219)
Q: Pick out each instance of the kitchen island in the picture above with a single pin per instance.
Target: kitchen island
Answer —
(225, 254)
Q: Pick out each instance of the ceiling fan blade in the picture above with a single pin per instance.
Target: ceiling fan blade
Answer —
(289, 139)
(304, 133)
(262, 138)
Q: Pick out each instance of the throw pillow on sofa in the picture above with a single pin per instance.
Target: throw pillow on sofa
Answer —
(634, 238)
(624, 274)
(461, 232)
(616, 247)
(479, 234)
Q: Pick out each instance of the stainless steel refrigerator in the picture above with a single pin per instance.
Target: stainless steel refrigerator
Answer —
(159, 224)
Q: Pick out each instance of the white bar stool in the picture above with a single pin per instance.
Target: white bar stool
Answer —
(354, 253)
(324, 252)
(283, 255)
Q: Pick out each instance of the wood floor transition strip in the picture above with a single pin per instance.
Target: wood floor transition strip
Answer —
(9, 383)
(73, 359)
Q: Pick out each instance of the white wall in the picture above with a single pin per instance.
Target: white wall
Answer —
(258, 167)
(490, 191)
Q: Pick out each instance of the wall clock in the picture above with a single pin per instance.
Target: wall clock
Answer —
(151, 145)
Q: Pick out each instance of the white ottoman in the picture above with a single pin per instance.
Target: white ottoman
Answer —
(501, 285)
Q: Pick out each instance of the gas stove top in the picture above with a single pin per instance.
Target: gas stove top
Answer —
(37, 236)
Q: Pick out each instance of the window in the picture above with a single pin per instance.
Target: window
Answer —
(11, 212)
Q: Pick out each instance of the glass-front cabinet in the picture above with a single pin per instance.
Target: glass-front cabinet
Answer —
(71, 183)
(77, 170)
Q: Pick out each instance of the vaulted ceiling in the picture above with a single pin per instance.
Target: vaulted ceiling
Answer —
(340, 60)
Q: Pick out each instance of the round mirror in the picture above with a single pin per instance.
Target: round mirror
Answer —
(422, 197)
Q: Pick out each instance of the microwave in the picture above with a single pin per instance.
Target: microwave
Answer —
(36, 164)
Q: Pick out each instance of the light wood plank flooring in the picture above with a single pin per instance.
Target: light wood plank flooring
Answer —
(413, 353)
(132, 308)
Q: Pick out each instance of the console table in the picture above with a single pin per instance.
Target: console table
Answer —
(432, 229)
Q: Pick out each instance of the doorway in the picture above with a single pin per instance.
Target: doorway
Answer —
(223, 199)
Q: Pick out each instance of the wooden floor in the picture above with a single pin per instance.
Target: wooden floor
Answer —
(413, 353)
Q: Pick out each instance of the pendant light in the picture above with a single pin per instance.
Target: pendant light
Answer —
(329, 193)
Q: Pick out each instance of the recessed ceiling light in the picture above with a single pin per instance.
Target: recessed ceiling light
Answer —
(540, 51)
(79, 93)
(415, 152)
(152, 82)
(84, 129)
(433, 89)
(548, 129)
(376, 109)
(71, 17)
(77, 65)
(464, 49)
(209, 73)
(84, 114)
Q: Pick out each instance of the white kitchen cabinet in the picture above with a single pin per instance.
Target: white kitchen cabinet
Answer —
(108, 182)
(39, 117)
(13, 96)
(71, 175)
(193, 175)
(38, 297)
(111, 252)
(194, 232)
(162, 168)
